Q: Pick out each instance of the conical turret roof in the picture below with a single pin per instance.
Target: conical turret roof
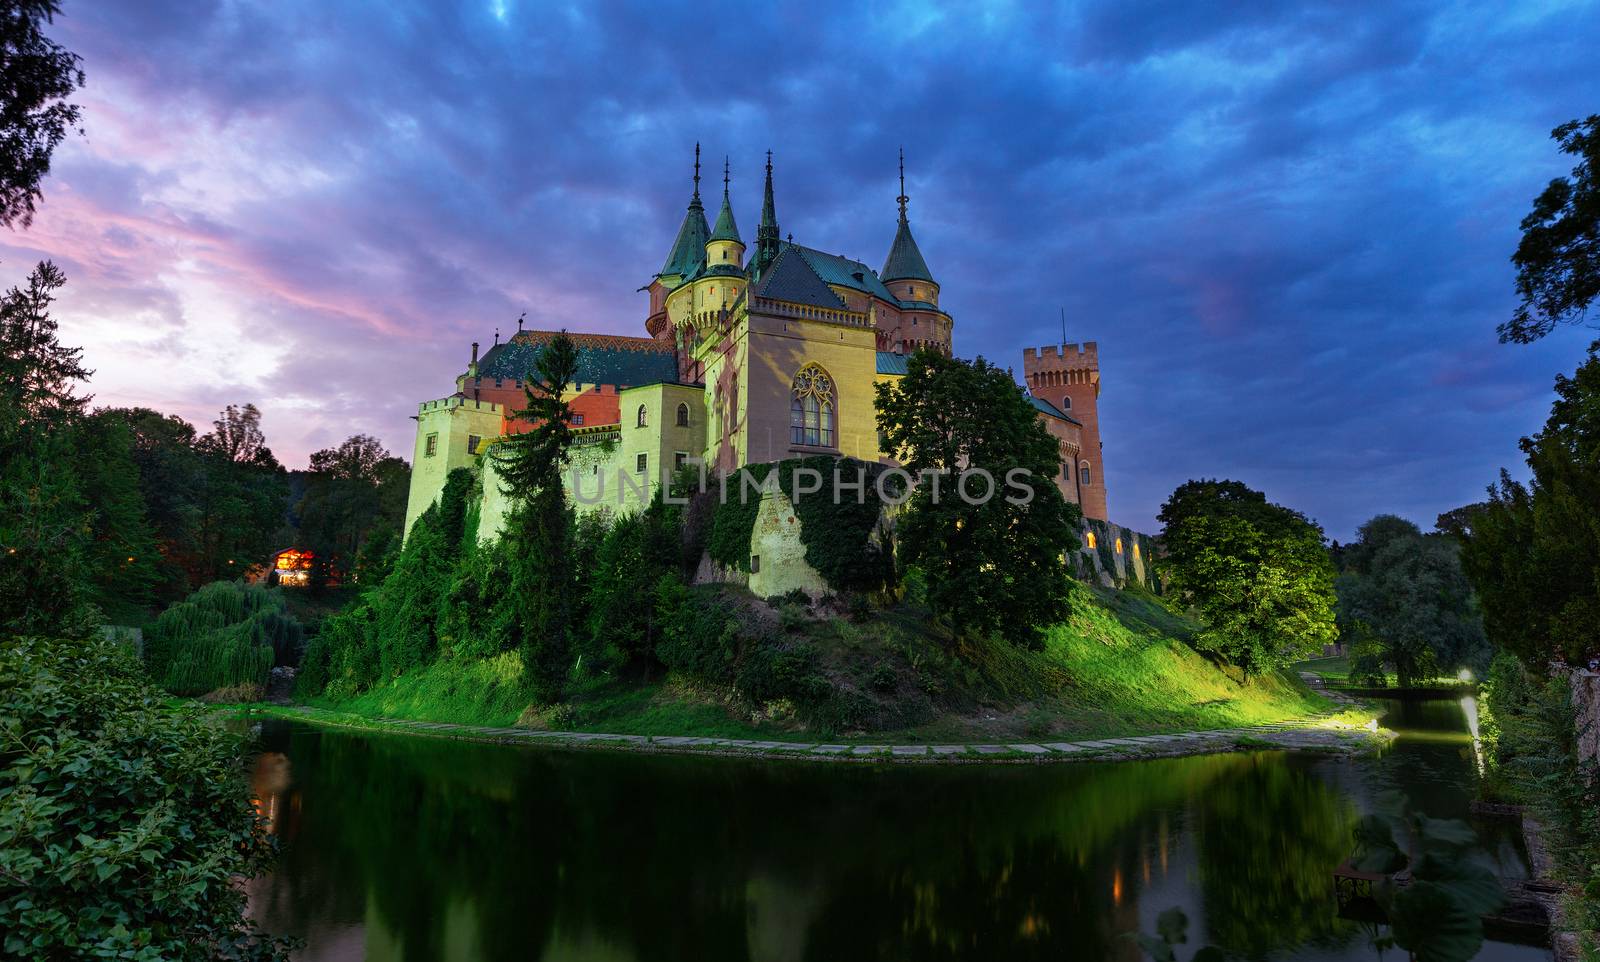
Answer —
(689, 250)
(905, 260)
(726, 229)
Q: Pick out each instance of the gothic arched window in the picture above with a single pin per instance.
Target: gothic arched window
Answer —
(683, 415)
(1084, 477)
(812, 408)
(642, 418)
(1066, 402)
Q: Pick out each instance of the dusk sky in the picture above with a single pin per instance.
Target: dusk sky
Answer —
(1288, 226)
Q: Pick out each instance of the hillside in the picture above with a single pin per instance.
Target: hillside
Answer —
(1117, 666)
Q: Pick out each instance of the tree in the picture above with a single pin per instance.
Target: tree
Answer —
(539, 525)
(237, 436)
(243, 497)
(354, 492)
(125, 563)
(1404, 600)
(124, 828)
(994, 565)
(1533, 551)
(1257, 572)
(34, 115)
(44, 521)
(1558, 259)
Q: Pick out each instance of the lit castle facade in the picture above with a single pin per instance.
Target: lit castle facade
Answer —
(751, 354)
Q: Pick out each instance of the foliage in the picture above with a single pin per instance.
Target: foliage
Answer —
(539, 524)
(121, 552)
(1172, 930)
(1533, 551)
(634, 553)
(34, 114)
(125, 828)
(1558, 259)
(1405, 601)
(355, 495)
(995, 566)
(729, 541)
(1257, 573)
(45, 524)
(1438, 917)
(227, 633)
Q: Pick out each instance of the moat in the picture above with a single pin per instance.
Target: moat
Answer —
(410, 848)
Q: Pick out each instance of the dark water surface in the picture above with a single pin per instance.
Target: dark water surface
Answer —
(413, 849)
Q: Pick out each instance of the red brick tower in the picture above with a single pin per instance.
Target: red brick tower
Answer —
(1069, 378)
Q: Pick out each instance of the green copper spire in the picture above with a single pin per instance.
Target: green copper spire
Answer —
(905, 260)
(726, 229)
(689, 250)
(767, 230)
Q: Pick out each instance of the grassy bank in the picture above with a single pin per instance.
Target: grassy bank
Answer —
(1335, 672)
(1118, 666)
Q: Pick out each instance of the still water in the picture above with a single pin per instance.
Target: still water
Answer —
(404, 848)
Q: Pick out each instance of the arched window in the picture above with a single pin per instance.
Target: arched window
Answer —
(1084, 478)
(642, 418)
(683, 415)
(1066, 402)
(812, 408)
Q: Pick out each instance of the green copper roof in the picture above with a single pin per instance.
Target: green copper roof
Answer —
(1044, 406)
(844, 272)
(905, 260)
(602, 359)
(726, 229)
(791, 278)
(892, 363)
(689, 250)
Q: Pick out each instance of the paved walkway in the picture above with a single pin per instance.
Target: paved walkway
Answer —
(1310, 733)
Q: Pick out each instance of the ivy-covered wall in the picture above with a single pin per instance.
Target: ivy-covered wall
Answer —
(1115, 556)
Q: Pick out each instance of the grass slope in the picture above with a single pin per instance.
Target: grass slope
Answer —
(1118, 666)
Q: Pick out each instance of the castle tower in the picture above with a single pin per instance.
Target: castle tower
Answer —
(904, 270)
(724, 248)
(686, 257)
(766, 231)
(1069, 378)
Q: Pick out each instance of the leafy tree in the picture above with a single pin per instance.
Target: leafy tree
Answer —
(40, 75)
(1558, 260)
(1404, 600)
(353, 493)
(539, 525)
(636, 551)
(122, 554)
(996, 565)
(1257, 572)
(243, 496)
(44, 521)
(1533, 551)
(125, 829)
(224, 635)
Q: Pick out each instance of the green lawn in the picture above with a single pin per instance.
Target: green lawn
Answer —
(1117, 666)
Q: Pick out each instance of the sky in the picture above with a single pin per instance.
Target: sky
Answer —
(1288, 226)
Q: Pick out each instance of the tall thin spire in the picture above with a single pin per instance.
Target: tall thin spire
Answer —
(767, 232)
(725, 229)
(689, 250)
(902, 198)
(696, 198)
(724, 176)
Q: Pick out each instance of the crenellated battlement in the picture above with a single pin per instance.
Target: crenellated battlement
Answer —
(1058, 357)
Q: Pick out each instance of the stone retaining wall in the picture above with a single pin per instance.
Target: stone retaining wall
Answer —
(1586, 706)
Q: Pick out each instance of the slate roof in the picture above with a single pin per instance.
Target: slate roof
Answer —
(905, 260)
(892, 363)
(792, 278)
(1050, 409)
(844, 272)
(602, 358)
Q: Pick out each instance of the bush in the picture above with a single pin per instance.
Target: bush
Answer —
(228, 633)
(124, 829)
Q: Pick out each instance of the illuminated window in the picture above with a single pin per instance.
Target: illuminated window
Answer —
(811, 408)
(639, 463)
(683, 415)
(430, 445)
(641, 416)
(1084, 477)
(1119, 546)
(472, 443)
(1090, 538)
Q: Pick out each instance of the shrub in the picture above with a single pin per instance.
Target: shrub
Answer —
(227, 633)
(124, 828)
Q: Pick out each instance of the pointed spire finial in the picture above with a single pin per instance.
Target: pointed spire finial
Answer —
(902, 198)
(697, 170)
(724, 176)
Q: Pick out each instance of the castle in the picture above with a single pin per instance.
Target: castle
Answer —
(745, 360)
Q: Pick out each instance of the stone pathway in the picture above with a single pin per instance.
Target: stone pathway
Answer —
(1310, 733)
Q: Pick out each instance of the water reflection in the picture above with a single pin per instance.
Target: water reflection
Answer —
(410, 849)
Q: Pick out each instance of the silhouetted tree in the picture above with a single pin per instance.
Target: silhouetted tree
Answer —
(34, 115)
(1558, 260)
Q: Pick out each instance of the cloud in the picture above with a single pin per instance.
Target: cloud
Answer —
(1287, 225)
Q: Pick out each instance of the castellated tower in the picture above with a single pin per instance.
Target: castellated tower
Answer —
(1069, 378)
